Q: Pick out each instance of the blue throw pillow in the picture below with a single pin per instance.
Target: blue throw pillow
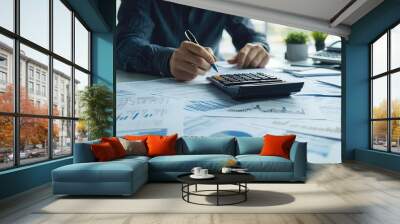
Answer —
(249, 145)
(208, 145)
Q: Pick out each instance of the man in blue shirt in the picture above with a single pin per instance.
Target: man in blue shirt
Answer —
(150, 39)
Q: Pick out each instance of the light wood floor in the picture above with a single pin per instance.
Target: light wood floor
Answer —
(378, 188)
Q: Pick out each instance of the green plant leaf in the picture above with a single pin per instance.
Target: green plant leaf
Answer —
(96, 102)
(296, 38)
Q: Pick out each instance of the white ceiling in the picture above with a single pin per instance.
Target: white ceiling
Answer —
(315, 15)
(321, 9)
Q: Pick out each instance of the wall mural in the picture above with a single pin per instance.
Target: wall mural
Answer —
(159, 104)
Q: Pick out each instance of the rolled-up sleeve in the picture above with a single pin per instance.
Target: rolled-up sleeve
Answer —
(133, 48)
(242, 32)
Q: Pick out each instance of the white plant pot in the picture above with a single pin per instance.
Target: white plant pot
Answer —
(296, 52)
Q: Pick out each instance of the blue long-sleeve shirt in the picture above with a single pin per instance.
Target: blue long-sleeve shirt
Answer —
(149, 31)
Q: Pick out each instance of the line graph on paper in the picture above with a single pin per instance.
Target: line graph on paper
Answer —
(259, 108)
(293, 109)
(149, 113)
(205, 105)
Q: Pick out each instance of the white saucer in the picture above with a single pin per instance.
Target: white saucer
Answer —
(208, 176)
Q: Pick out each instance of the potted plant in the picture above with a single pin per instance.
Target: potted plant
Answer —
(296, 46)
(96, 102)
(319, 38)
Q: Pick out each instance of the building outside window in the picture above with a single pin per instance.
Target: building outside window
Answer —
(3, 78)
(3, 61)
(44, 77)
(37, 74)
(30, 87)
(385, 91)
(56, 128)
(38, 89)
(3, 72)
(30, 72)
(43, 90)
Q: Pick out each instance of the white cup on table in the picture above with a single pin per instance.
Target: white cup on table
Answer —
(203, 172)
(196, 171)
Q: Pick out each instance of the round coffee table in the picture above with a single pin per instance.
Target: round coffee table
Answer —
(238, 179)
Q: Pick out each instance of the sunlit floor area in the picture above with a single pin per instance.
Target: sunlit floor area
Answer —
(376, 192)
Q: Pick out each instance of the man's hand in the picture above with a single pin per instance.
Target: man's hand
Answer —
(251, 56)
(190, 60)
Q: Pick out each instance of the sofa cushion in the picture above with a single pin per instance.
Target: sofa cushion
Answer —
(112, 171)
(257, 163)
(277, 145)
(161, 145)
(185, 163)
(103, 152)
(137, 147)
(195, 145)
(116, 145)
(249, 145)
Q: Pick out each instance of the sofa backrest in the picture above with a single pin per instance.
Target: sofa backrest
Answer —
(83, 152)
(192, 145)
(249, 145)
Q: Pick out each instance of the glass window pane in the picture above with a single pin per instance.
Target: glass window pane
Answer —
(35, 21)
(81, 45)
(6, 142)
(62, 29)
(62, 138)
(379, 135)
(81, 81)
(81, 131)
(34, 72)
(395, 136)
(395, 95)
(6, 74)
(7, 14)
(33, 139)
(379, 97)
(395, 47)
(379, 55)
(62, 89)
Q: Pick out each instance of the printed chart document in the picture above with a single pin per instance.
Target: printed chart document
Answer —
(314, 72)
(164, 106)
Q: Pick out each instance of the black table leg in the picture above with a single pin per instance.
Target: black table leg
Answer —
(245, 193)
(188, 190)
(217, 194)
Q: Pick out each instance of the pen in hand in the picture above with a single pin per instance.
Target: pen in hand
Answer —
(190, 37)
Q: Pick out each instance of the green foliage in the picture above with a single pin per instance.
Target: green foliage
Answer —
(97, 103)
(296, 38)
(319, 36)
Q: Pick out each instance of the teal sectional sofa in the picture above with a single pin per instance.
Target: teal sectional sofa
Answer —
(125, 176)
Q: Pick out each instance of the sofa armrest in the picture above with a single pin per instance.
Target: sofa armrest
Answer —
(298, 155)
(83, 153)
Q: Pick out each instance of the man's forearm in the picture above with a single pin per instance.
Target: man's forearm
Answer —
(138, 55)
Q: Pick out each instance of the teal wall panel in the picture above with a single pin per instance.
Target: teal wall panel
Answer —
(99, 16)
(24, 178)
(356, 85)
(103, 59)
(380, 159)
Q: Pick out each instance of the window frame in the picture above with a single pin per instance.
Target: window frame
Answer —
(388, 74)
(16, 114)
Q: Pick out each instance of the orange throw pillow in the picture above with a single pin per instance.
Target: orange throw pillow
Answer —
(103, 152)
(277, 145)
(116, 145)
(161, 145)
(136, 137)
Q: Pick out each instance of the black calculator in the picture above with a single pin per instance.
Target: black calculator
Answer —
(254, 85)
